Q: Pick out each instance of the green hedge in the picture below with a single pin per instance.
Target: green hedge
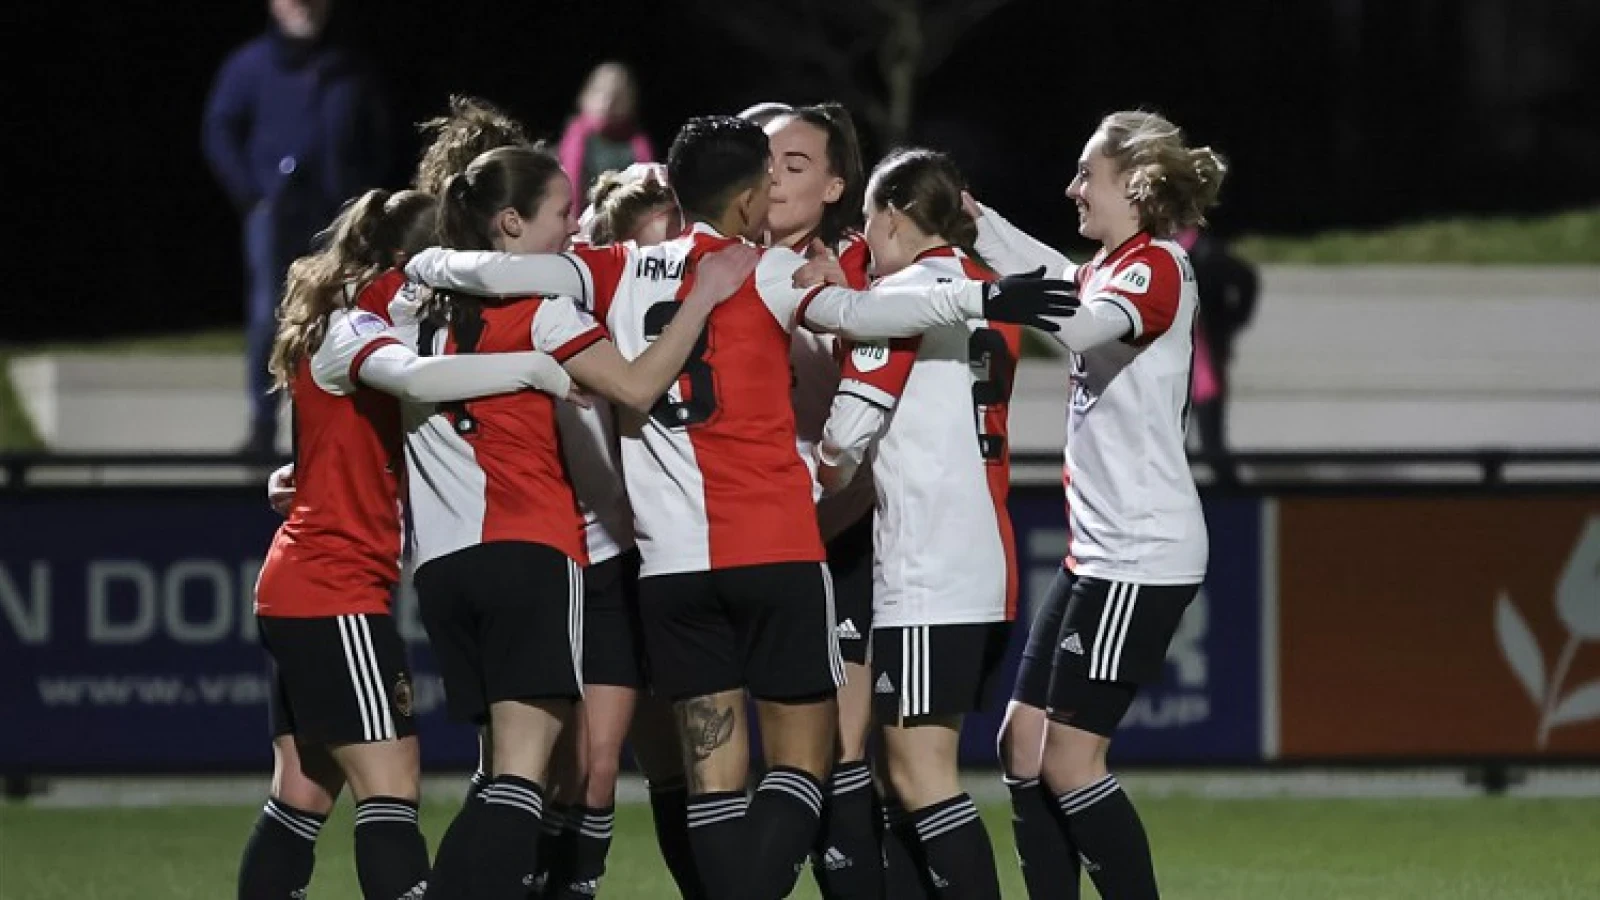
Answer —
(1570, 238)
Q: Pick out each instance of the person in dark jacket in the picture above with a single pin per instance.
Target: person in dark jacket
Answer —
(1228, 288)
(294, 125)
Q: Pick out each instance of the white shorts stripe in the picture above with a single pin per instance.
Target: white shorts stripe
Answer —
(1101, 630)
(575, 619)
(926, 660)
(835, 657)
(907, 685)
(1122, 632)
(357, 683)
(380, 698)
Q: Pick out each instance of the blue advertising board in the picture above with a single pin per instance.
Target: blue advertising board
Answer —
(127, 641)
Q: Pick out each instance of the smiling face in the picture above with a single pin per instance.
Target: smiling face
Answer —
(803, 184)
(1105, 211)
(549, 229)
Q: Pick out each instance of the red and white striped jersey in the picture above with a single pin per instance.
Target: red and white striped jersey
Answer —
(816, 359)
(1133, 509)
(939, 558)
(491, 469)
(338, 551)
(712, 472)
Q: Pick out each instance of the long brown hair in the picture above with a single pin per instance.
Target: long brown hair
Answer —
(370, 235)
(472, 128)
(1170, 183)
(926, 186)
(506, 177)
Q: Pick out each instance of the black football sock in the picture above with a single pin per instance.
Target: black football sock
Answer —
(783, 820)
(1102, 823)
(1049, 861)
(717, 833)
(280, 853)
(956, 846)
(391, 855)
(846, 859)
(669, 808)
(506, 843)
(905, 870)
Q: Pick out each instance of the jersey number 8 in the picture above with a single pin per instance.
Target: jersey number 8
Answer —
(993, 368)
(699, 403)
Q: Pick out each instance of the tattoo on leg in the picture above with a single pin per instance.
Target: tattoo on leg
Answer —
(702, 728)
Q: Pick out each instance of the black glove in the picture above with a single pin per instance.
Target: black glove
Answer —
(1029, 298)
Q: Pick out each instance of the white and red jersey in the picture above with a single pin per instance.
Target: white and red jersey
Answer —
(491, 469)
(589, 445)
(816, 360)
(713, 472)
(1133, 509)
(939, 557)
(995, 349)
(338, 551)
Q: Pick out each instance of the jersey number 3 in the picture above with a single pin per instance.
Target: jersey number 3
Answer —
(993, 368)
(699, 401)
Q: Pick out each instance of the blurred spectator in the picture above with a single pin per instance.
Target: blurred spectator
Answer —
(1228, 287)
(605, 134)
(293, 127)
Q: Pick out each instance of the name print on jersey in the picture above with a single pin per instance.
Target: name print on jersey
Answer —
(657, 269)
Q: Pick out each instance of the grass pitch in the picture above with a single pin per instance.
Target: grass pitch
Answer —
(1206, 849)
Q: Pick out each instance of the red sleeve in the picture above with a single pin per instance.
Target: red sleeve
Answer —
(855, 259)
(375, 297)
(1149, 285)
(606, 265)
(877, 372)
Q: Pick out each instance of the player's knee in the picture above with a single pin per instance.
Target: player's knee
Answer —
(1020, 741)
(602, 774)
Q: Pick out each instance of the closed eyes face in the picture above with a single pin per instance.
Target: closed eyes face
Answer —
(802, 182)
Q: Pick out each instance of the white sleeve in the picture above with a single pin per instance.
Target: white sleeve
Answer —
(563, 330)
(1096, 322)
(352, 335)
(854, 425)
(395, 370)
(883, 312)
(891, 311)
(501, 274)
(1010, 250)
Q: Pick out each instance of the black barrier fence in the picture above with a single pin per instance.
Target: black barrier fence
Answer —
(127, 639)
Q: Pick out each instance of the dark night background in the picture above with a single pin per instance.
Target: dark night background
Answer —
(1335, 113)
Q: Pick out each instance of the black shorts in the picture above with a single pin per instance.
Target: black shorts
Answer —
(613, 636)
(935, 670)
(506, 623)
(1039, 653)
(1113, 639)
(768, 628)
(850, 563)
(338, 679)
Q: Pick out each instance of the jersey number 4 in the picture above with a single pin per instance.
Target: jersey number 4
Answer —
(993, 368)
(699, 401)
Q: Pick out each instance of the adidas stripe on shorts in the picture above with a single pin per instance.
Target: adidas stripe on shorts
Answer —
(935, 670)
(338, 679)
